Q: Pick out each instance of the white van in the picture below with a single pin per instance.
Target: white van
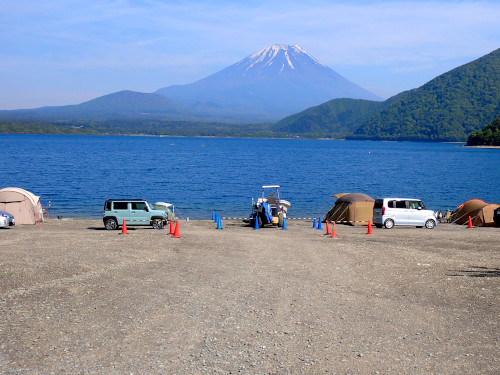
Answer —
(388, 212)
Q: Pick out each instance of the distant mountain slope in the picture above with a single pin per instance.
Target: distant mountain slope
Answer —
(447, 108)
(280, 78)
(275, 82)
(132, 103)
(335, 118)
(122, 104)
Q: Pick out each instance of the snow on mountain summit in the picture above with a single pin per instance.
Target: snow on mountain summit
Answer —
(278, 52)
(278, 58)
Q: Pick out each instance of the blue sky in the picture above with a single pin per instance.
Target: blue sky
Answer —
(58, 52)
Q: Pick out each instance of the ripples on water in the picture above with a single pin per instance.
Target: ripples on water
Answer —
(77, 173)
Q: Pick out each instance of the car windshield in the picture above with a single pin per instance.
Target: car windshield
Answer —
(417, 204)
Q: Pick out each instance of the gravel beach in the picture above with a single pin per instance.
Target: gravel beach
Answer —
(78, 299)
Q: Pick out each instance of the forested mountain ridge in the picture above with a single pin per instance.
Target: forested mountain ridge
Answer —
(336, 118)
(447, 108)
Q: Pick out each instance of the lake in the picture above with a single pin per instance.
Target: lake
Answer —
(76, 174)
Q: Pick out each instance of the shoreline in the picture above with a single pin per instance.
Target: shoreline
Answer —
(291, 137)
(494, 147)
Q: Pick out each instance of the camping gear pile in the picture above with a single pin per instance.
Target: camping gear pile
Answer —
(168, 208)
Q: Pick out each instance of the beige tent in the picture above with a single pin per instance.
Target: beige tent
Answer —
(351, 208)
(480, 212)
(25, 206)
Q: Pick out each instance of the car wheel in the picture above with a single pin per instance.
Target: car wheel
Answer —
(157, 224)
(111, 224)
(429, 224)
(389, 223)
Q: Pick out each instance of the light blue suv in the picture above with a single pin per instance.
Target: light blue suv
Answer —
(389, 212)
(134, 212)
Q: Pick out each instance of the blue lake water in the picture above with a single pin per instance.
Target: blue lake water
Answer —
(77, 173)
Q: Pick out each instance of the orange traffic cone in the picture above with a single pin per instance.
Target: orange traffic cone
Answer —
(334, 230)
(469, 226)
(327, 228)
(176, 231)
(124, 228)
(171, 227)
(369, 227)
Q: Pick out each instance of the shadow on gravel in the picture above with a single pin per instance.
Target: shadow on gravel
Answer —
(116, 230)
(119, 230)
(477, 271)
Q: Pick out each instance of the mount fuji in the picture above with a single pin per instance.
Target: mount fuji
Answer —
(275, 82)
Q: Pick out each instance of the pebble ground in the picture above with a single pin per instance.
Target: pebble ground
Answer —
(78, 299)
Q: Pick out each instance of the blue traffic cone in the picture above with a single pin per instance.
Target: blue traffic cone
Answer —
(219, 223)
(256, 225)
(314, 222)
(213, 215)
(284, 224)
(319, 223)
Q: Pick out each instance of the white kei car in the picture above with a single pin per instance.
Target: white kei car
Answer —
(389, 212)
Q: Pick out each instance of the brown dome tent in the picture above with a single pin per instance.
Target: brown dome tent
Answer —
(351, 208)
(24, 205)
(480, 212)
